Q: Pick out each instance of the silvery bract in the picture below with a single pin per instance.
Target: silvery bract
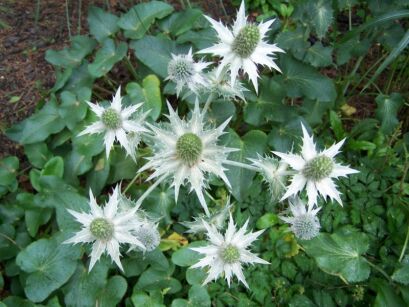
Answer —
(243, 47)
(106, 228)
(274, 173)
(217, 219)
(226, 253)
(185, 72)
(221, 86)
(187, 151)
(115, 123)
(315, 170)
(147, 233)
(304, 221)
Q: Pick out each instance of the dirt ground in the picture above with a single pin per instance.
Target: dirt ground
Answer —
(25, 76)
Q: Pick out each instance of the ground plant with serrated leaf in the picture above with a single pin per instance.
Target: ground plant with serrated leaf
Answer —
(183, 160)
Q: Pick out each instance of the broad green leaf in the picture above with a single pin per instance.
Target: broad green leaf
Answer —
(294, 41)
(38, 154)
(73, 108)
(387, 111)
(386, 295)
(336, 125)
(200, 39)
(97, 177)
(319, 56)
(138, 19)
(181, 22)
(54, 167)
(153, 279)
(187, 257)
(267, 220)
(303, 80)
(251, 144)
(402, 274)
(113, 292)
(49, 265)
(8, 171)
(195, 276)
(39, 126)
(102, 24)
(340, 254)
(321, 13)
(140, 298)
(149, 93)
(35, 218)
(199, 297)
(80, 47)
(155, 52)
(106, 57)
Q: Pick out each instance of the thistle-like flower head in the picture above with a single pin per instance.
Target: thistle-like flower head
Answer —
(186, 151)
(147, 233)
(315, 170)
(185, 72)
(274, 173)
(116, 122)
(106, 228)
(221, 86)
(304, 221)
(226, 253)
(243, 47)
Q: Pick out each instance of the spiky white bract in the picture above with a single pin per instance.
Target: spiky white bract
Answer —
(187, 151)
(304, 221)
(274, 173)
(147, 233)
(315, 170)
(243, 47)
(116, 122)
(226, 253)
(217, 219)
(185, 72)
(106, 228)
(221, 86)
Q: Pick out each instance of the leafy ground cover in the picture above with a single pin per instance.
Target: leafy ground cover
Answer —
(344, 75)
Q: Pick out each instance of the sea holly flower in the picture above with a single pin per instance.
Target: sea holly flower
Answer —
(106, 228)
(217, 219)
(116, 122)
(315, 170)
(220, 86)
(274, 173)
(147, 233)
(243, 47)
(186, 151)
(185, 72)
(226, 253)
(304, 221)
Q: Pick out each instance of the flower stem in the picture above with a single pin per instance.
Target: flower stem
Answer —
(404, 246)
(149, 190)
(207, 104)
(378, 269)
(132, 182)
(242, 165)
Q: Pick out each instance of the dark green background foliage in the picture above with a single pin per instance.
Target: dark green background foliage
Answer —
(329, 72)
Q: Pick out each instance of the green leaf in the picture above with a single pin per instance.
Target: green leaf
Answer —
(140, 298)
(385, 294)
(387, 111)
(80, 47)
(73, 108)
(303, 80)
(35, 218)
(199, 297)
(187, 257)
(153, 279)
(319, 56)
(402, 274)
(49, 265)
(8, 171)
(200, 39)
(139, 18)
(294, 41)
(113, 292)
(54, 167)
(38, 154)
(181, 22)
(336, 125)
(149, 93)
(251, 144)
(97, 177)
(39, 126)
(106, 57)
(321, 13)
(267, 220)
(102, 24)
(155, 53)
(340, 254)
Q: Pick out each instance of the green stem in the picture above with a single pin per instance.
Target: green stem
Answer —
(242, 165)
(404, 246)
(131, 68)
(350, 18)
(79, 17)
(149, 190)
(131, 183)
(37, 14)
(358, 62)
(378, 269)
(68, 19)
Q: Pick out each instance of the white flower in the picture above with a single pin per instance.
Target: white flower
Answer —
(243, 47)
(217, 219)
(184, 71)
(225, 254)
(187, 151)
(315, 170)
(147, 233)
(221, 86)
(106, 228)
(304, 222)
(115, 122)
(274, 173)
